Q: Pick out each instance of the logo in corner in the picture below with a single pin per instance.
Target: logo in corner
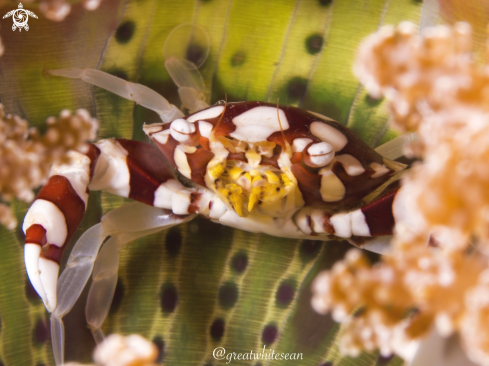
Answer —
(20, 17)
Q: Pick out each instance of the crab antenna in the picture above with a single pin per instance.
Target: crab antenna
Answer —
(211, 137)
(287, 145)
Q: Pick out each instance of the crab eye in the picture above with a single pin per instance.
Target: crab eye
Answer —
(318, 155)
(182, 130)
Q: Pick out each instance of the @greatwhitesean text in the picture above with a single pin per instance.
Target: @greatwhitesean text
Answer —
(220, 353)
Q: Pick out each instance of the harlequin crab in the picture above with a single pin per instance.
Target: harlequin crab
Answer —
(255, 166)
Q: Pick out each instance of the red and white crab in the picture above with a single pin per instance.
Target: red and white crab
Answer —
(254, 166)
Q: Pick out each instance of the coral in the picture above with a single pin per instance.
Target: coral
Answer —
(55, 10)
(437, 272)
(117, 350)
(132, 350)
(7, 219)
(26, 156)
(58, 10)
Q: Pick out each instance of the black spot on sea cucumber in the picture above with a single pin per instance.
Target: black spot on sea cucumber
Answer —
(125, 32)
(160, 345)
(228, 295)
(238, 59)
(169, 297)
(314, 43)
(269, 334)
(217, 329)
(41, 331)
(194, 53)
(309, 249)
(285, 293)
(296, 87)
(239, 262)
(173, 242)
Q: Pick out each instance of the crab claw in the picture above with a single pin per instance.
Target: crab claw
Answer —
(43, 274)
(45, 230)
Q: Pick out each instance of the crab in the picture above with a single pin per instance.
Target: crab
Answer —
(255, 166)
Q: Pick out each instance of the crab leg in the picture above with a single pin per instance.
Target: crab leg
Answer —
(103, 287)
(124, 224)
(191, 88)
(126, 168)
(378, 214)
(52, 220)
(139, 93)
(394, 149)
(71, 283)
(185, 73)
(367, 226)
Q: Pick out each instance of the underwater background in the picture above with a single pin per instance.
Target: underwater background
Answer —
(201, 285)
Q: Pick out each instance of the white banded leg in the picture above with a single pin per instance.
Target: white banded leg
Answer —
(139, 93)
(124, 224)
(127, 168)
(369, 227)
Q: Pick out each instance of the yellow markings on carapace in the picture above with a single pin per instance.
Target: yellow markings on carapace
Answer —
(217, 171)
(248, 176)
(272, 178)
(235, 173)
(234, 193)
(287, 181)
(264, 186)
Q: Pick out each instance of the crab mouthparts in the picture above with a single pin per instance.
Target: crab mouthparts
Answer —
(245, 189)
